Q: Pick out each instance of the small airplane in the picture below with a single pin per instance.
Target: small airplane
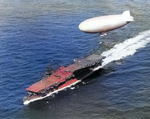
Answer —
(103, 24)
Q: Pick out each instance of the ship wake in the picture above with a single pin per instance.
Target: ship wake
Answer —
(127, 48)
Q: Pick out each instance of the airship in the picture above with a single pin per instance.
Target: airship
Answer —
(103, 24)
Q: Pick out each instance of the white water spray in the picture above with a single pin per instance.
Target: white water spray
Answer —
(127, 48)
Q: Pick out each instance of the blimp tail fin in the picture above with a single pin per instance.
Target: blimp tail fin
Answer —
(127, 16)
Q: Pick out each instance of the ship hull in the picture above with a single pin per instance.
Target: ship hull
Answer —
(63, 78)
(28, 100)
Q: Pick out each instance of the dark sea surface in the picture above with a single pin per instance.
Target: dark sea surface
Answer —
(35, 34)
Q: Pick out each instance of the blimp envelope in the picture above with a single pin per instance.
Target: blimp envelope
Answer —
(105, 23)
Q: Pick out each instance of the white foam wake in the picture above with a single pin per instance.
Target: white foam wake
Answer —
(127, 48)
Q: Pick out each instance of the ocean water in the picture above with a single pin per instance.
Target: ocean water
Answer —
(40, 33)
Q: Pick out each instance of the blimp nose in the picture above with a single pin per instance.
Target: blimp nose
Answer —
(86, 27)
(82, 27)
